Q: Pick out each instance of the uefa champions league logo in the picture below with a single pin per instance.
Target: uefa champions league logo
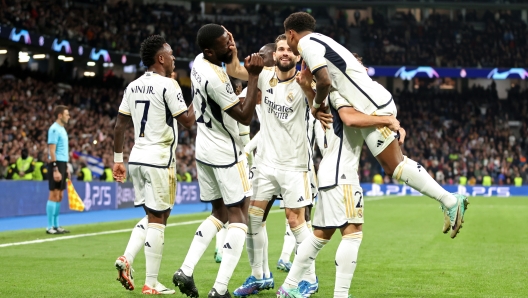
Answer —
(495, 74)
(405, 74)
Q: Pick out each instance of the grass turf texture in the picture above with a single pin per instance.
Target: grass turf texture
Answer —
(403, 254)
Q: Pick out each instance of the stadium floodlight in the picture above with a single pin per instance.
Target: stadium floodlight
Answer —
(68, 59)
(61, 57)
(89, 74)
(3, 52)
(23, 57)
(40, 56)
(90, 63)
(108, 64)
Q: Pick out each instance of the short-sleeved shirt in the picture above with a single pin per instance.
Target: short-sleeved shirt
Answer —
(57, 135)
(218, 141)
(349, 76)
(153, 101)
(284, 123)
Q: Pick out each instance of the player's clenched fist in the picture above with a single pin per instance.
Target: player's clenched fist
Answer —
(119, 172)
(254, 64)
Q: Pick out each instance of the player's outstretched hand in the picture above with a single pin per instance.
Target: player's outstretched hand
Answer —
(232, 41)
(119, 172)
(321, 114)
(254, 64)
(402, 136)
(305, 77)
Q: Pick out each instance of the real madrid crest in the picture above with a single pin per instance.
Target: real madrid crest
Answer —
(273, 82)
(290, 97)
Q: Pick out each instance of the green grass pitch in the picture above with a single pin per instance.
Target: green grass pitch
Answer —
(403, 254)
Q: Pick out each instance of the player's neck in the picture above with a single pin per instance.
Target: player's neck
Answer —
(215, 61)
(157, 69)
(285, 75)
(303, 34)
(59, 122)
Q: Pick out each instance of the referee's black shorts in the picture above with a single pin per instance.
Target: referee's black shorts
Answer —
(61, 185)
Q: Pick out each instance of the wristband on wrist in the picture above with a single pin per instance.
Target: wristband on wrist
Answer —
(316, 105)
(118, 157)
(54, 163)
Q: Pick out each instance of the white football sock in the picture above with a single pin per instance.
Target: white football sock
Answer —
(289, 244)
(236, 236)
(255, 240)
(220, 240)
(305, 257)
(309, 225)
(417, 177)
(153, 252)
(346, 260)
(137, 240)
(265, 265)
(203, 236)
(301, 233)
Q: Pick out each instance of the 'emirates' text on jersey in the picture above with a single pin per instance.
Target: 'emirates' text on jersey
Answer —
(349, 77)
(153, 101)
(284, 124)
(341, 158)
(218, 141)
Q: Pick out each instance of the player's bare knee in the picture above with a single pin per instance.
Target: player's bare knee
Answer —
(351, 228)
(295, 217)
(324, 233)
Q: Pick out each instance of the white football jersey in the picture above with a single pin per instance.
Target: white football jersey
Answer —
(153, 101)
(284, 140)
(258, 110)
(218, 141)
(349, 76)
(340, 161)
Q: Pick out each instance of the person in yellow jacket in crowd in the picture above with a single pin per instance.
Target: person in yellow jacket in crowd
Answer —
(182, 175)
(85, 174)
(41, 170)
(107, 174)
(377, 179)
(24, 167)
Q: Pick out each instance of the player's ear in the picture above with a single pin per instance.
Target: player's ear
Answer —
(208, 53)
(297, 59)
(161, 59)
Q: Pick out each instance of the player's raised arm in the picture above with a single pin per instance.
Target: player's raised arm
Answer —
(323, 82)
(352, 117)
(234, 68)
(243, 112)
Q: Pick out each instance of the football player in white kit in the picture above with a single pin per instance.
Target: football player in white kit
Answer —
(221, 161)
(151, 102)
(284, 160)
(339, 74)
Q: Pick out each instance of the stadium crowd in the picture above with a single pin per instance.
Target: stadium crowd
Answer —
(439, 41)
(121, 27)
(451, 134)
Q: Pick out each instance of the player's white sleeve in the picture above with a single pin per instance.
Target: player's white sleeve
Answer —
(243, 94)
(223, 94)
(124, 108)
(319, 136)
(174, 98)
(252, 145)
(313, 54)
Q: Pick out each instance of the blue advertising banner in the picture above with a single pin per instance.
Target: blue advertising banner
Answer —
(30, 197)
(409, 72)
(405, 190)
(66, 47)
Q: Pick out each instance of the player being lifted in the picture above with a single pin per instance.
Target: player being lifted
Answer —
(282, 159)
(339, 74)
(150, 102)
(221, 161)
(340, 204)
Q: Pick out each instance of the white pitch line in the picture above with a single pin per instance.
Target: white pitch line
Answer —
(183, 223)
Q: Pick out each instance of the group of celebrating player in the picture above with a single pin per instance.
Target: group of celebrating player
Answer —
(331, 100)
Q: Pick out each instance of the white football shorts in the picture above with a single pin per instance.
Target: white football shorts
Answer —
(231, 183)
(154, 188)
